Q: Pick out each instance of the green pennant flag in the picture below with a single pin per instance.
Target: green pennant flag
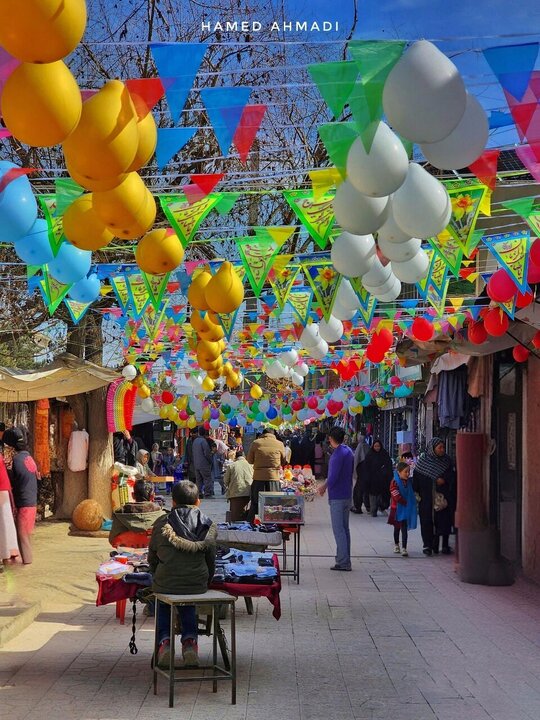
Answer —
(257, 254)
(335, 81)
(138, 294)
(325, 281)
(120, 289)
(227, 202)
(521, 206)
(156, 286)
(186, 218)
(466, 197)
(367, 313)
(436, 298)
(67, 190)
(438, 274)
(282, 279)
(511, 250)
(422, 285)
(55, 291)
(366, 107)
(228, 321)
(300, 300)
(152, 322)
(278, 233)
(337, 138)
(375, 58)
(54, 221)
(76, 310)
(509, 307)
(472, 242)
(362, 294)
(450, 250)
(317, 216)
(31, 270)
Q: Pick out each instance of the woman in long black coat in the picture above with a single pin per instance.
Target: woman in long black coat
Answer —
(378, 470)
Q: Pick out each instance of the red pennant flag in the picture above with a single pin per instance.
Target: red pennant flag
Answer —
(530, 157)
(248, 127)
(206, 183)
(485, 168)
(145, 93)
(193, 193)
(86, 94)
(12, 174)
(172, 287)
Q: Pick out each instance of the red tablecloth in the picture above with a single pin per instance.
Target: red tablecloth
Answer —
(111, 590)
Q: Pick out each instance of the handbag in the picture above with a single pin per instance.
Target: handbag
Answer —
(439, 502)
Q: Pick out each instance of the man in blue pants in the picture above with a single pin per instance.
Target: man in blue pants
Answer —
(339, 486)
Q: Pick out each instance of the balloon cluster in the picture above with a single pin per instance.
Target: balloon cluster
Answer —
(380, 343)
(286, 366)
(209, 295)
(312, 341)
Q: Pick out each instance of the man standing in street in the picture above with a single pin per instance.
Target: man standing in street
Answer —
(339, 486)
(202, 462)
(267, 455)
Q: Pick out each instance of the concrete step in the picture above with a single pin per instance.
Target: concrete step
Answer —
(15, 618)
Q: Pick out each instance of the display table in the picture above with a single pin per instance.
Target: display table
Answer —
(112, 590)
(287, 531)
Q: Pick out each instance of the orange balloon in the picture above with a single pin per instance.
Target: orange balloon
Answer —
(147, 142)
(159, 252)
(196, 290)
(83, 228)
(128, 210)
(106, 183)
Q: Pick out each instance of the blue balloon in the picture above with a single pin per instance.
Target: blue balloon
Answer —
(86, 290)
(70, 264)
(271, 413)
(366, 402)
(35, 248)
(18, 207)
(233, 422)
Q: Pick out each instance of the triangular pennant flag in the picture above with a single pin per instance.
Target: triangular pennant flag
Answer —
(67, 191)
(366, 313)
(31, 270)
(76, 310)
(186, 218)
(279, 234)
(282, 279)
(361, 293)
(521, 206)
(324, 179)
(248, 127)
(366, 107)
(466, 197)
(224, 106)
(206, 183)
(533, 220)
(335, 81)
(146, 93)
(316, 216)
(337, 138)
(156, 286)
(485, 168)
(530, 157)
(120, 289)
(511, 250)
(499, 119)
(257, 255)
(485, 203)
(512, 65)
(54, 221)
(325, 281)
(422, 285)
(180, 63)
(170, 141)
(138, 295)
(450, 250)
(226, 202)
(228, 322)
(300, 300)
(375, 58)
(472, 242)
(509, 307)
(526, 120)
(438, 274)
(437, 297)
(56, 291)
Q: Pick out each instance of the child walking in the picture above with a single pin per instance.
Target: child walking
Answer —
(403, 510)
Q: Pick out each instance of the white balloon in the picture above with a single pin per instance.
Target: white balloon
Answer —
(343, 313)
(400, 252)
(378, 275)
(297, 379)
(332, 330)
(264, 405)
(241, 420)
(390, 231)
(392, 293)
(339, 395)
(421, 206)
(129, 372)
(319, 351)
(465, 143)
(383, 169)
(413, 270)
(424, 95)
(289, 357)
(310, 336)
(226, 398)
(147, 405)
(377, 290)
(357, 213)
(302, 369)
(196, 405)
(234, 401)
(353, 255)
(346, 297)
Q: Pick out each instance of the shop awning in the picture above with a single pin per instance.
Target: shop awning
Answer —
(67, 375)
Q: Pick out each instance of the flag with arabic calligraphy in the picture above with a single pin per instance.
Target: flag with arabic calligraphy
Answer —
(257, 254)
(511, 250)
(282, 277)
(325, 281)
(466, 197)
(186, 218)
(317, 216)
(300, 300)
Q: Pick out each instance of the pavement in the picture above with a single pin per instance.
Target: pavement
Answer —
(396, 638)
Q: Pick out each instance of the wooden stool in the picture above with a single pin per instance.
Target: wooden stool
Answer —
(214, 599)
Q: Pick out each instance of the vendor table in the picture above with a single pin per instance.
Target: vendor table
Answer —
(116, 590)
(287, 531)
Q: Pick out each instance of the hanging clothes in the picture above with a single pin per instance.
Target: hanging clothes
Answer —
(452, 397)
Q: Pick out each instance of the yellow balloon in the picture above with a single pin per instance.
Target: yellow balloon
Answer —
(106, 183)
(224, 293)
(228, 369)
(128, 210)
(206, 364)
(191, 423)
(182, 402)
(42, 31)
(147, 142)
(256, 392)
(41, 104)
(83, 228)
(214, 374)
(196, 290)
(159, 252)
(213, 333)
(208, 384)
(163, 412)
(106, 139)
(198, 322)
(222, 345)
(233, 380)
(206, 413)
(144, 392)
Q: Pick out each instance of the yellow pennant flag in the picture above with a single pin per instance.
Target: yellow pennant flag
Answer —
(485, 203)
(456, 302)
(324, 179)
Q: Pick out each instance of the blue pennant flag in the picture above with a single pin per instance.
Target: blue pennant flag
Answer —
(170, 141)
(225, 107)
(513, 65)
(177, 65)
(499, 119)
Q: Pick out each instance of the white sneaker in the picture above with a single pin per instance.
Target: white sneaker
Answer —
(404, 552)
(396, 549)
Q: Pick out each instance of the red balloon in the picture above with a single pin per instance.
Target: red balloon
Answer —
(374, 354)
(524, 299)
(534, 252)
(297, 404)
(536, 340)
(422, 329)
(496, 322)
(533, 274)
(501, 288)
(477, 333)
(167, 397)
(520, 353)
(312, 403)
(383, 338)
(394, 380)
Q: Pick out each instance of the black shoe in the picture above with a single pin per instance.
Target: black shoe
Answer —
(427, 551)
(435, 550)
(355, 511)
(341, 568)
(447, 550)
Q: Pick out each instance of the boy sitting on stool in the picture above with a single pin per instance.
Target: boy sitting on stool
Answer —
(182, 556)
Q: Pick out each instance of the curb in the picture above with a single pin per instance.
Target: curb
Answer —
(13, 620)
